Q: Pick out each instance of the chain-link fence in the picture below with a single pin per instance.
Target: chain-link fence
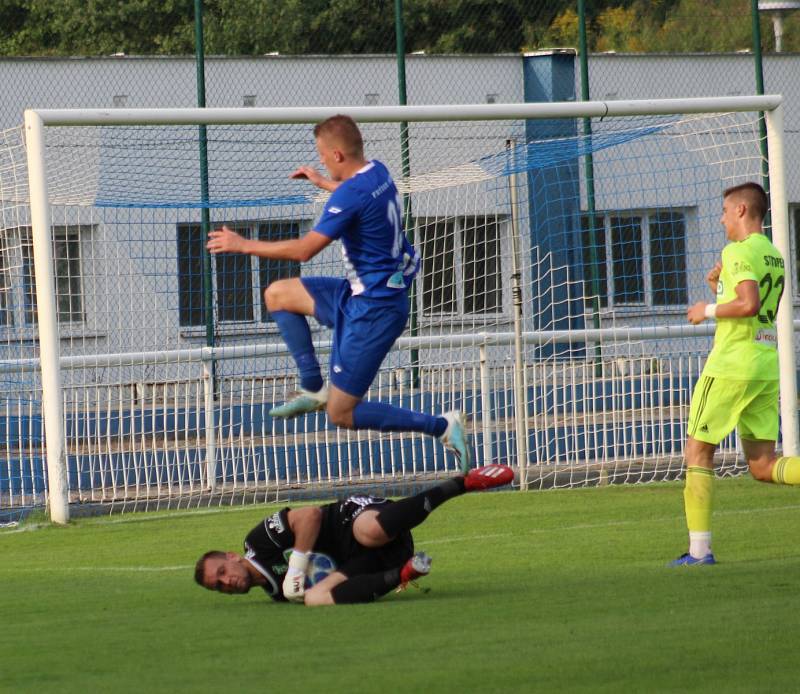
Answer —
(347, 53)
(449, 50)
(462, 50)
(339, 52)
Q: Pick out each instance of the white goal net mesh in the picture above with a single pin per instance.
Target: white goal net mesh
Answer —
(170, 361)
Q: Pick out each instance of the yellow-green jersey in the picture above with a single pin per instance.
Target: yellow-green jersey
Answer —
(745, 349)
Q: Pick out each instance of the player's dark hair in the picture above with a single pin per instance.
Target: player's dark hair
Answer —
(344, 131)
(754, 195)
(200, 567)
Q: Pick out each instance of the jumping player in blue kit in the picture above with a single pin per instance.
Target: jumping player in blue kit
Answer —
(367, 311)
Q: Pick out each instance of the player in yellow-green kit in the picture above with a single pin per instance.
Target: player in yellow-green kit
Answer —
(739, 384)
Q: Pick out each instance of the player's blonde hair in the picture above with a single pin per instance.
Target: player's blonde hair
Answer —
(343, 131)
(753, 196)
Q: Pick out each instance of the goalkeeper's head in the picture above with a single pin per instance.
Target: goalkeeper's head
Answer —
(226, 572)
(340, 146)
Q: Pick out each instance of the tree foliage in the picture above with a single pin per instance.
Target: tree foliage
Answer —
(671, 26)
(254, 27)
(96, 27)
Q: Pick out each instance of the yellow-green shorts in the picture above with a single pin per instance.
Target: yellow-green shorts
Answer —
(719, 405)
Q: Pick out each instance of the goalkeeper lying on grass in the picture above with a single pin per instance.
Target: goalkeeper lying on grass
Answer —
(351, 551)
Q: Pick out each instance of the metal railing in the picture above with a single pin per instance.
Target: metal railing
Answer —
(160, 443)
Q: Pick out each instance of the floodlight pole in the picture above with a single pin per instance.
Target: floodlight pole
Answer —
(402, 98)
(199, 53)
(47, 321)
(210, 367)
(588, 159)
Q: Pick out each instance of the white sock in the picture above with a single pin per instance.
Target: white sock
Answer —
(699, 544)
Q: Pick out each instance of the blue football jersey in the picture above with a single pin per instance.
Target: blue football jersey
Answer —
(366, 213)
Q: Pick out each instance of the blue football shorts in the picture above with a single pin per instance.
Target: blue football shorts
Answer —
(364, 330)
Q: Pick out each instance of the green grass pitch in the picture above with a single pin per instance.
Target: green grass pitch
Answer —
(558, 591)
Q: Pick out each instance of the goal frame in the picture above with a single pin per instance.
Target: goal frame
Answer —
(37, 120)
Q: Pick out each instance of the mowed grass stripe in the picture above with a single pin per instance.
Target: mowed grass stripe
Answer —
(554, 591)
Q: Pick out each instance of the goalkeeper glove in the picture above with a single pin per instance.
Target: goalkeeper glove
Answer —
(294, 583)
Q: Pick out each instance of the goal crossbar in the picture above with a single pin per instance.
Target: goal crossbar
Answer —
(386, 114)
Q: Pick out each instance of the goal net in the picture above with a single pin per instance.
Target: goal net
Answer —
(557, 265)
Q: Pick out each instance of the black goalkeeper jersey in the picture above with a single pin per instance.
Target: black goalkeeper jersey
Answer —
(268, 545)
(266, 548)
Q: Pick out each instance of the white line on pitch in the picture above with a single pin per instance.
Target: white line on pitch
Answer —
(463, 538)
(236, 509)
(108, 520)
(183, 514)
(110, 569)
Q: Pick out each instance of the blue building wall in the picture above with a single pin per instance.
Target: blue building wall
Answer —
(554, 203)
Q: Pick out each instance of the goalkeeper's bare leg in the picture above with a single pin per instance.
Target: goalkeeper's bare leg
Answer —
(375, 528)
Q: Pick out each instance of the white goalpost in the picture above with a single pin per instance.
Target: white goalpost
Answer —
(550, 305)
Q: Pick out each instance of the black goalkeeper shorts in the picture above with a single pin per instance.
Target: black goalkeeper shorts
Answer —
(353, 559)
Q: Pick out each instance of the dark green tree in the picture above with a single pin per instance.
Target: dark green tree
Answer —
(255, 27)
(95, 27)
